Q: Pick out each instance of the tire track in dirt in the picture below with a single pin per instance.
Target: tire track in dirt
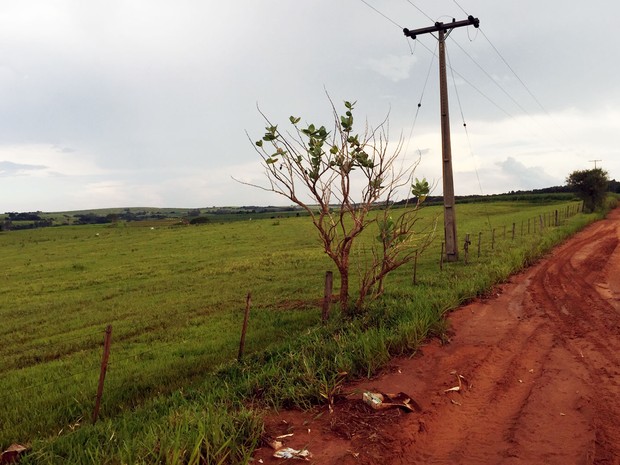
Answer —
(541, 375)
(588, 316)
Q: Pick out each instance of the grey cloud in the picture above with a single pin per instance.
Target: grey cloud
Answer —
(526, 177)
(8, 168)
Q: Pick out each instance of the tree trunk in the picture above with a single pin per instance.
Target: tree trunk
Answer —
(344, 290)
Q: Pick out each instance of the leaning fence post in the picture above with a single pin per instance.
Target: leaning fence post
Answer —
(248, 301)
(466, 247)
(415, 268)
(104, 368)
(327, 295)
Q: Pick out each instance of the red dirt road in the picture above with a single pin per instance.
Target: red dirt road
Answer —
(539, 370)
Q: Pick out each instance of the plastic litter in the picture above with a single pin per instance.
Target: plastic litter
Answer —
(290, 453)
(381, 401)
(12, 454)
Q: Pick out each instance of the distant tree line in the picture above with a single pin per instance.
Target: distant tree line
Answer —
(24, 220)
(24, 216)
(565, 192)
(32, 220)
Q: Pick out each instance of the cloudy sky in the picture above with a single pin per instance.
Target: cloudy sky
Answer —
(147, 102)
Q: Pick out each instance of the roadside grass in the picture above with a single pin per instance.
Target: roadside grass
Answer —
(175, 297)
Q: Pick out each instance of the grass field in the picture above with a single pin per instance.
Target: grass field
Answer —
(175, 297)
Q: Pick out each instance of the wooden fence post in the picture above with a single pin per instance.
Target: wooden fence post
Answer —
(557, 221)
(441, 257)
(479, 241)
(327, 295)
(246, 316)
(104, 368)
(466, 247)
(415, 268)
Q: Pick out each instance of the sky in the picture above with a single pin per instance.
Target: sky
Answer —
(153, 103)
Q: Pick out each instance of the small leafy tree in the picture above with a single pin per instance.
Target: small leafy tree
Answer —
(339, 177)
(591, 186)
(393, 246)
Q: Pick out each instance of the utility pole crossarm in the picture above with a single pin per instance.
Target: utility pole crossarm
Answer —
(470, 21)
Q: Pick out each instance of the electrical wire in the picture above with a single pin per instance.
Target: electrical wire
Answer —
(471, 151)
(491, 101)
(491, 78)
(514, 73)
(480, 30)
(415, 119)
(462, 9)
(420, 10)
(385, 16)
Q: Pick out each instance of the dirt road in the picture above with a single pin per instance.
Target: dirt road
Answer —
(538, 364)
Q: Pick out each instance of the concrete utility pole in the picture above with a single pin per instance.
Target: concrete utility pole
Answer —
(594, 161)
(449, 214)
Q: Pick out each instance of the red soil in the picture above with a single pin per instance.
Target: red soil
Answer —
(540, 367)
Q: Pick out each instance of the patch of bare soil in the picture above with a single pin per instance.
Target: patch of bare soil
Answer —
(538, 370)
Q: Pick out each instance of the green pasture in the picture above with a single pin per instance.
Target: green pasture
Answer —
(175, 296)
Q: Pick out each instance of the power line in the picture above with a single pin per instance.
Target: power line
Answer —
(385, 16)
(415, 119)
(420, 10)
(514, 72)
(435, 55)
(491, 78)
(472, 85)
(471, 151)
(457, 4)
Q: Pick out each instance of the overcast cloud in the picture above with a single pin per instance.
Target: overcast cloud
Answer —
(146, 102)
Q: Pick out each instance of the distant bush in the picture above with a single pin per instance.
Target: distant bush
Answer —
(200, 220)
